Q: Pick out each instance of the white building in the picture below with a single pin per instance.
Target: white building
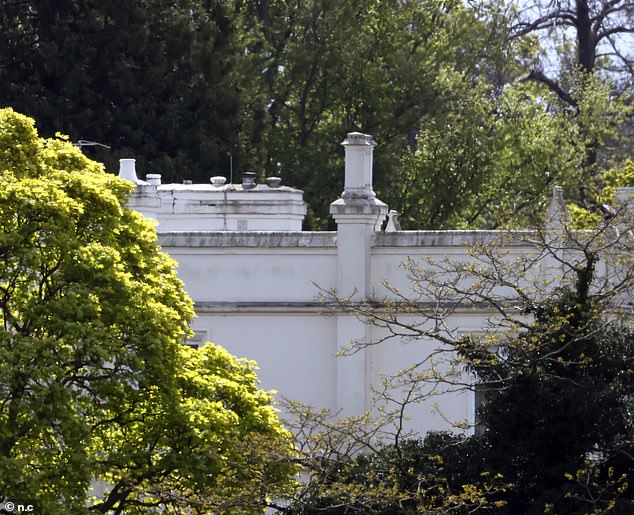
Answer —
(255, 277)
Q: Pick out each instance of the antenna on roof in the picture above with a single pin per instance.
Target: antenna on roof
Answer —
(85, 143)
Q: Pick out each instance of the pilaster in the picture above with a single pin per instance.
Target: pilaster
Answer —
(358, 214)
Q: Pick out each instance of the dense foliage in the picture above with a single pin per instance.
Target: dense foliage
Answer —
(469, 102)
(96, 387)
(376, 67)
(558, 409)
(150, 79)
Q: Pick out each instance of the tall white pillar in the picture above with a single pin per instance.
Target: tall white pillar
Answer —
(358, 214)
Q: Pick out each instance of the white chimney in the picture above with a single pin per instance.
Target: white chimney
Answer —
(358, 169)
(127, 170)
(358, 214)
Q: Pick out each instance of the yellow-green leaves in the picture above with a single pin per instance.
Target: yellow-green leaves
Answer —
(95, 384)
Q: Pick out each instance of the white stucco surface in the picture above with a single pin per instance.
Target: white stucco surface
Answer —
(295, 350)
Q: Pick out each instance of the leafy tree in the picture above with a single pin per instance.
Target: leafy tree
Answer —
(586, 49)
(210, 443)
(487, 158)
(560, 402)
(619, 177)
(96, 387)
(402, 478)
(276, 84)
(465, 140)
(151, 79)
(322, 69)
(489, 161)
(588, 35)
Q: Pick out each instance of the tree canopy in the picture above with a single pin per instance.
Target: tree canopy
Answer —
(468, 101)
(149, 79)
(97, 389)
(374, 67)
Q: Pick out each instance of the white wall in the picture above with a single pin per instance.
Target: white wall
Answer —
(256, 295)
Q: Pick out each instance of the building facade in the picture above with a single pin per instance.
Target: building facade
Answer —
(256, 280)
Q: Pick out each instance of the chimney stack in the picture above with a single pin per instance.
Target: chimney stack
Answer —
(358, 169)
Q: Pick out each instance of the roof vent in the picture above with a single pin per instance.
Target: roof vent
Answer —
(218, 180)
(248, 180)
(153, 178)
(273, 182)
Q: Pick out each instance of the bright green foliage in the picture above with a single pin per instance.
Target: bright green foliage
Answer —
(152, 79)
(212, 438)
(95, 383)
(491, 159)
(581, 218)
(601, 117)
(621, 177)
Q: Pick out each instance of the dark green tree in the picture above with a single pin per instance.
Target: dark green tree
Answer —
(320, 69)
(559, 407)
(151, 79)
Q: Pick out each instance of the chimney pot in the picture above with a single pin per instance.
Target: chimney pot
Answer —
(127, 170)
(358, 166)
(273, 182)
(248, 180)
(218, 180)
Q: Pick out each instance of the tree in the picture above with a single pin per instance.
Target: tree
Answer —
(319, 69)
(152, 79)
(487, 158)
(212, 443)
(586, 49)
(350, 470)
(552, 364)
(619, 177)
(96, 387)
(489, 161)
(589, 35)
